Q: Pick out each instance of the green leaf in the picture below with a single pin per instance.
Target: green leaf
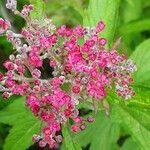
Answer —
(141, 57)
(102, 134)
(76, 4)
(20, 136)
(14, 111)
(106, 10)
(130, 10)
(39, 8)
(70, 12)
(24, 125)
(136, 123)
(130, 144)
(146, 3)
(134, 117)
(136, 26)
(70, 143)
(142, 98)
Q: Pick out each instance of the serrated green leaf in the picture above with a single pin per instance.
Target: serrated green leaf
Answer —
(142, 98)
(106, 10)
(24, 125)
(20, 136)
(102, 134)
(70, 143)
(141, 56)
(39, 8)
(136, 123)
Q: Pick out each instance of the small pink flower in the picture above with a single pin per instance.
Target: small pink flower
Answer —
(4, 25)
(10, 83)
(36, 73)
(6, 95)
(53, 39)
(47, 131)
(102, 41)
(62, 30)
(20, 69)
(35, 60)
(9, 65)
(90, 119)
(79, 31)
(35, 49)
(75, 128)
(56, 126)
(53, 63)
(44, 42)
(78, 120)
(76, 89)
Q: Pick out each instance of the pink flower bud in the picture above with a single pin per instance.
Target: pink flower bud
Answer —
(53, 63)
(8, 65)
(90, 119)
(100, 26)
(36, 73)
(9, 83)
(102, 41)
(78, 120)
(59, 138)
(35, 60)
(76, 89)
(6, 95)
(75, 128)
(46, 131)
(4, 25)
(82, 127)
(42, 143)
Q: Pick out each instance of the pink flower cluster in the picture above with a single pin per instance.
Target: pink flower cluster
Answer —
(79, 60)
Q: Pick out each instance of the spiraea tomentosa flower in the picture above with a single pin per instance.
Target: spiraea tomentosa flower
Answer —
(87, 68)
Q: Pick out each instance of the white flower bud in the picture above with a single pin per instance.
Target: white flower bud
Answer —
(11, 4)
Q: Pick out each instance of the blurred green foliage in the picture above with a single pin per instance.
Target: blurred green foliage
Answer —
(128, 127)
